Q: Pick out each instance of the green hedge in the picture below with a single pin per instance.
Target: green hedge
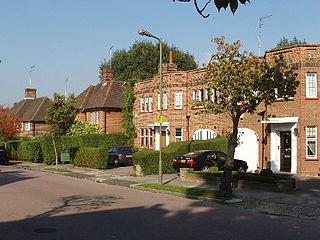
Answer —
(41, 149)
(91, 157)
(149, 159)
(72, 143)
(25, 150)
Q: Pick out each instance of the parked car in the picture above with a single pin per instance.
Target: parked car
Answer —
(4, 156)
(204, 159)
(120, 156)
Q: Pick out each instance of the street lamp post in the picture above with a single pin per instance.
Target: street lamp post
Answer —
(144, 32)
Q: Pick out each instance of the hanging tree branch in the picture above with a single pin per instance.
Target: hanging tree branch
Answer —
(233, 4)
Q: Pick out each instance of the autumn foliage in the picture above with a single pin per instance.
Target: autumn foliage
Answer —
(10, 124)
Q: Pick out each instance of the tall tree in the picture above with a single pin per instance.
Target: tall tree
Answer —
(243, 81)
(233, 4)
(141, 61)
(60, 116)
(285, 42)
(10, 124)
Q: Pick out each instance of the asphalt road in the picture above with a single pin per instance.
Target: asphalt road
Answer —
(38, 205)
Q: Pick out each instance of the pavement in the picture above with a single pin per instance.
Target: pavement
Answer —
(303, 203)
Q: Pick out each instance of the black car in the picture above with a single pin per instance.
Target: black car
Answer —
(120, 156)
(4, 156)
(204, 159)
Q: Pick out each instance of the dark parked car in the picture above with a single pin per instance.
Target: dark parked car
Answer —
(120, 156)
(4, 156)
(204, 159)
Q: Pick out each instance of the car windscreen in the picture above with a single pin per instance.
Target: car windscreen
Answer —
(194, 154)
(124, 150)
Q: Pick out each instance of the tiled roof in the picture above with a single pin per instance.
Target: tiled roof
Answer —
(31, 110)
(110, 94)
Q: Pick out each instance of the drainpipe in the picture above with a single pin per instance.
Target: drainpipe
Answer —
(188, 127)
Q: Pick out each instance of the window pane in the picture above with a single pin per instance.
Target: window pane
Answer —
(178, 132)
(311, 132)
(311, 148)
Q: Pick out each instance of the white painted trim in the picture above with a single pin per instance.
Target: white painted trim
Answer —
(275, 146)
(282, 120)
(155, 124)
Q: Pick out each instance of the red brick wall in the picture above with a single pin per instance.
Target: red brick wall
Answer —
(185, 82)
(307, 59)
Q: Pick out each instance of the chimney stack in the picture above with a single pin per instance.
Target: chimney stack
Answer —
(169, 67)
(171, 57)
(30, 93)
(107, 74)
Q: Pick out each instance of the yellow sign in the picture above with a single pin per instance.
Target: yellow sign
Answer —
(160, 119)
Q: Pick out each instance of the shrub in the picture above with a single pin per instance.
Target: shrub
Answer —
(91, 157)
(149, 159)
(29, 150)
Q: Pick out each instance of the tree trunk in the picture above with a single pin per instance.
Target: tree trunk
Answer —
(225, 189)
(55, 150)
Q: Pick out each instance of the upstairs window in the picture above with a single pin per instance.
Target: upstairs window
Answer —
(142, 105)
(164, 101)
(150, 104)
(311, 85)
(178, 100)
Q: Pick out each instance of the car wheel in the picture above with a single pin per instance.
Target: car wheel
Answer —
(242, 169)
(205, 168)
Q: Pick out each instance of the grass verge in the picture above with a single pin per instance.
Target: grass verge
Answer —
(201, 192)
(57, 170)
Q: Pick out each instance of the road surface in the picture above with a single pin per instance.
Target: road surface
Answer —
(38, 205)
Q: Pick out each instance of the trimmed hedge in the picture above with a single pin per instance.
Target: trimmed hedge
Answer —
(91, 157)
(149, 159)
(25, 150)
(41, 149)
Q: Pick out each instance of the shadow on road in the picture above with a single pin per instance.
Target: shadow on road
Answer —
(199, 220)
(7, 177)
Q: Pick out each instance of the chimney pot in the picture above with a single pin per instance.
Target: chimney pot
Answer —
(30, 93)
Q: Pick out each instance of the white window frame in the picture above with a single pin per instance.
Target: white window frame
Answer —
(214, 95)
(311, 139)
(178, 138)
(178, 100)
(26, 126)
(141, 104)
(146, 104)
(164, 101)
(150, 104)
(204, 134)
(311, 85)
(94, 117)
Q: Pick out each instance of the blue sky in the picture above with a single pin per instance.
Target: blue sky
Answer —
(69, 38)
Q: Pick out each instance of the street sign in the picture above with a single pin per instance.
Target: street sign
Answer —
(160, 119)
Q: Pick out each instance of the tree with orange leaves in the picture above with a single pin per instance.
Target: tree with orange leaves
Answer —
(10, 124)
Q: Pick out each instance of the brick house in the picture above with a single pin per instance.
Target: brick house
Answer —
(287, 133)
(284, 138)
(31, 110)
(102, 104)
(180, 121)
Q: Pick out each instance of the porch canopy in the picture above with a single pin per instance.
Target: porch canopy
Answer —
(281, 120)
